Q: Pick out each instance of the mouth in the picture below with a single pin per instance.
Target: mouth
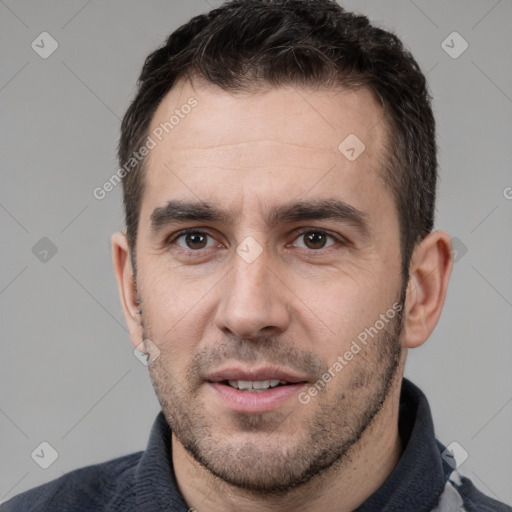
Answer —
(256, 379)
(256, 386)
(255, 390)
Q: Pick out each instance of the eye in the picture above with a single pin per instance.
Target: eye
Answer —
(193, 240)
(314, 239)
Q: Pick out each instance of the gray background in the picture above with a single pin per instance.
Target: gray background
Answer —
(68, 375)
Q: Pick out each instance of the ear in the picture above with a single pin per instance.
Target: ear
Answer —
(127, 290)
(430, 269)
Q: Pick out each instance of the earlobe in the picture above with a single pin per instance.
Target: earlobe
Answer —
(127, 289)
(430, 270)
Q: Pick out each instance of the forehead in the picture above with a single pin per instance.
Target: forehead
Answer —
(275, 143)
(236, 116)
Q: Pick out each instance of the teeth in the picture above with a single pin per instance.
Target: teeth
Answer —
(244, 384)
(260, 384)
(255, 385)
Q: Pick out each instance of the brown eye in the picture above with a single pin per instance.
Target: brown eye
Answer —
(194, 240)
(314, 240)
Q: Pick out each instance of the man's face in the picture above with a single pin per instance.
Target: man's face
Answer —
(296, 255)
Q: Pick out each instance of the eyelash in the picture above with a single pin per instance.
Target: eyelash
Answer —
(192, 231)
(339, 240)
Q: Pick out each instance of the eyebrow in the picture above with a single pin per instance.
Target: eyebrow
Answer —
(326, 209)
(179, 211)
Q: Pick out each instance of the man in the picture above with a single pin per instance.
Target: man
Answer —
(279, 174)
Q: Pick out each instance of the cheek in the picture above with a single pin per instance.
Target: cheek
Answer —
(343, 307)
(174, 314)
(168, 289)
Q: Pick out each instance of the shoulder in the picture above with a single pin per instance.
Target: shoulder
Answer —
(92, 488)
(461, 495)
(476, 501)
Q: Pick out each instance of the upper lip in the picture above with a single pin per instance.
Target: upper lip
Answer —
(255, 374)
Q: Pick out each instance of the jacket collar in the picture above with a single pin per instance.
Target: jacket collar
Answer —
(420, 476)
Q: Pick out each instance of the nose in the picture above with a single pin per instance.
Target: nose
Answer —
(253, 300)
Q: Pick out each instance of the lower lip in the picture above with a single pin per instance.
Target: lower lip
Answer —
(255, 402)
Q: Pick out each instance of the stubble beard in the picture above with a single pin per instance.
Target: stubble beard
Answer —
(274, 462)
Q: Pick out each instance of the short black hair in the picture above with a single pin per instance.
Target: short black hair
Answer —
(250, 44)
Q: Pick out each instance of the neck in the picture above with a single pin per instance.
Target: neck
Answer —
(343, 487)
